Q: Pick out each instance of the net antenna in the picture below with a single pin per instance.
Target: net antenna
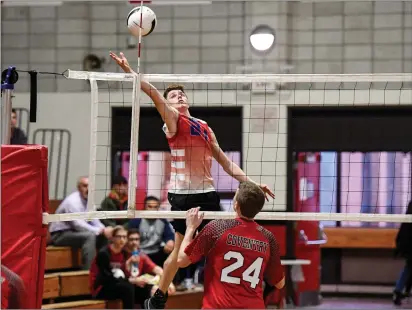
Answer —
(134, 141)
(379, 91)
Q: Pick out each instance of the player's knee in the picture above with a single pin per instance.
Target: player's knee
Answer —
(182, 263)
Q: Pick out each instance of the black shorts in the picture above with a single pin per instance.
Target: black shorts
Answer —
(209, 201)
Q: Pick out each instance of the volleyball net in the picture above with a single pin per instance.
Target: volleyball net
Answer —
(257, 119)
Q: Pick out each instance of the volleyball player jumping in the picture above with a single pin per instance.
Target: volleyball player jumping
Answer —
(192, 144)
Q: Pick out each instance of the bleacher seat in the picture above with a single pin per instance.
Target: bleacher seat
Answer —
(62, 282)
(74, 283)
(81, 304)
(51, 286)
(62, 258)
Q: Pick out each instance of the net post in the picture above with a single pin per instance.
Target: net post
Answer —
(94, 110)
(7, 87)
(134, 146)
(5, 115)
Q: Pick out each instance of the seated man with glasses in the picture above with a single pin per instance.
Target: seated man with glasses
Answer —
(144, 273)
(156, 235)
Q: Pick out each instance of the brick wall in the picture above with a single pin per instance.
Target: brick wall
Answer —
(352, 37)
(347, 37)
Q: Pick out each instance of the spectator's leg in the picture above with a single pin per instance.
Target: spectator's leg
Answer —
(408, 284)
(141, 294)
(158, 258)
(121, 290)
(78, 239)
(400, 286)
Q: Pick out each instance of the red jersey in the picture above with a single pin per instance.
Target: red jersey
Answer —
(191, 157)
(4, 292)
(106, 261)
(239, 255)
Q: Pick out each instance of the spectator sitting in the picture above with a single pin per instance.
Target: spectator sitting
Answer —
(404, 249)
(157, 237)
(115, 201)
(17, 135)
(108, 278)
(13, 291)
(141, 267)
(79, 233)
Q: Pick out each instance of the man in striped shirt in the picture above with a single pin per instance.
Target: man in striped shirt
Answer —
(192, 144)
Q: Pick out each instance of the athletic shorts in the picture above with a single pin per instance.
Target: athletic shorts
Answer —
(209, 201)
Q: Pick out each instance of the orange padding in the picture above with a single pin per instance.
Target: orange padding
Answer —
(24, 198)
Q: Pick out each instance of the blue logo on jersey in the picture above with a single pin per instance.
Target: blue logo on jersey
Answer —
(196, 130)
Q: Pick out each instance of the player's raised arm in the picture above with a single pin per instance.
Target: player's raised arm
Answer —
(169, 114)
(231, 168)
(192, 250)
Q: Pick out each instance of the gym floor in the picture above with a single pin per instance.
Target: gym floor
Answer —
(359, 303)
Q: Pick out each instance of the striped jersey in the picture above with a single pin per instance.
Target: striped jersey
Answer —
(191, 154)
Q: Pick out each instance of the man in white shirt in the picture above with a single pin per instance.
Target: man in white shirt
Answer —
(79, 233)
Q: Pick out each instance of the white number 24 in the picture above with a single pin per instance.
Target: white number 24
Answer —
(251, 274)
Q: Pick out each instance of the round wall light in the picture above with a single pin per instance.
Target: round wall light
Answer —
(262, 38)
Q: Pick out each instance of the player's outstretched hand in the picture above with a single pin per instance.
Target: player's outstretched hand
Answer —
(121, 60)
(267, 191)
(194, 218)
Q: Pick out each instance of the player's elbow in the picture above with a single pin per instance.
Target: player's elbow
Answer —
(280, 284)
(183, 261)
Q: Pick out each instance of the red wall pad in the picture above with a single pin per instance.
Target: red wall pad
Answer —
(24, 197)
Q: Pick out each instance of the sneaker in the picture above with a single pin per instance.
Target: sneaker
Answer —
(181, 287)
(397, 298)
(157, 301)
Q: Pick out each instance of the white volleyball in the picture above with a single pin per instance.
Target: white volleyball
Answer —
(147, 23)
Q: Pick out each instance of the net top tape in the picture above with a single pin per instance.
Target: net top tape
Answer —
(243, 78)
(268, 216)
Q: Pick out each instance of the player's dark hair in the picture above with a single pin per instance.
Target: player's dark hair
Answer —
(119, 180)
(118, 228)
(151, 198)
(250, 199)
(132, 231)
(13, 111)
(173, 87)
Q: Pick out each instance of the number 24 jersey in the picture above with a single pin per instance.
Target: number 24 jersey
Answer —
(239, 255)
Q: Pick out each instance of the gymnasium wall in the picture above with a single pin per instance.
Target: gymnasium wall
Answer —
(334, 37)
(264, 125)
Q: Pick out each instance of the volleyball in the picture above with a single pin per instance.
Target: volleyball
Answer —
(147, 24)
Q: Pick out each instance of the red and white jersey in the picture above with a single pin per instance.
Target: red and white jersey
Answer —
(191, 157)
(239, 255)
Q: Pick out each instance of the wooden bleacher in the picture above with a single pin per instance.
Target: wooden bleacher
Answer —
(81, 304)
(64, 280)
(360, 238)
(62, 258)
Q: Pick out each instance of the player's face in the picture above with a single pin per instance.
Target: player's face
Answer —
(84, 187)
(178, 99)
(121, 189)
(133, 242)
(13, 122)
(152, 205)
(119, 240)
